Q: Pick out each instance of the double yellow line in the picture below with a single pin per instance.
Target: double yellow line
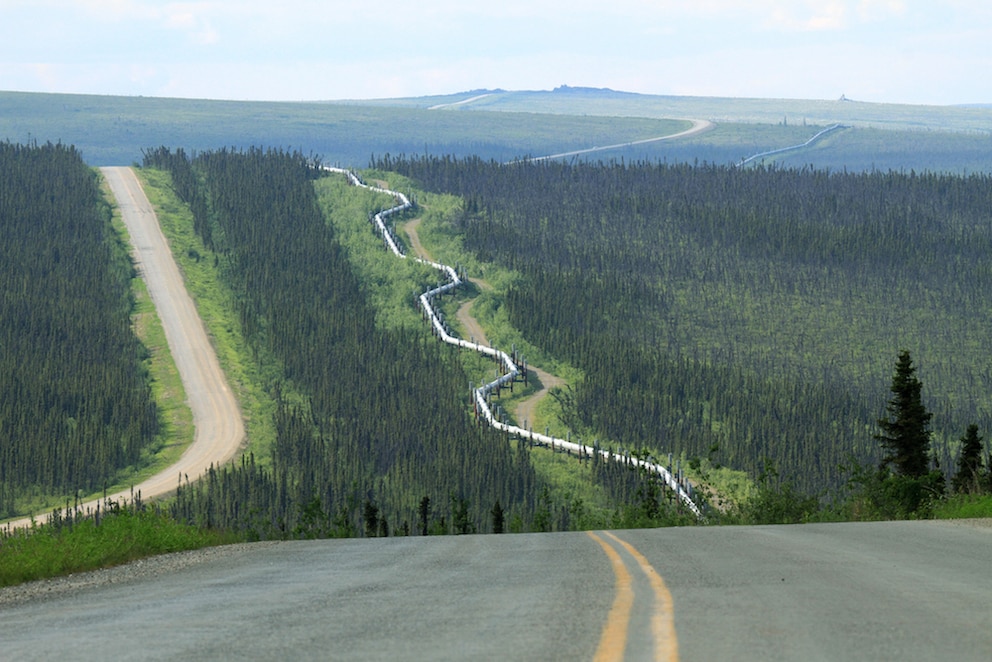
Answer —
(613, 641)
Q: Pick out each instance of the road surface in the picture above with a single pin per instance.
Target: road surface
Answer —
(219, 431)
(864, 591)
(698, 126)
(217, 418)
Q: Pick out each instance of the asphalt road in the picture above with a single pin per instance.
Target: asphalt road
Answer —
(889, 591)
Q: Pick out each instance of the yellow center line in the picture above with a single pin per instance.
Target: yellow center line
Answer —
(613, 641)
(666, 644)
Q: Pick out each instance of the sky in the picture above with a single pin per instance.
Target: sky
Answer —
(894, 51)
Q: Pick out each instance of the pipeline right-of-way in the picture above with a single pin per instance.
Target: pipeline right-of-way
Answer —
(674, 479)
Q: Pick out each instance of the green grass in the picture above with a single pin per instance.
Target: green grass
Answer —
(964, 506)
(392, 284)
(53, 551)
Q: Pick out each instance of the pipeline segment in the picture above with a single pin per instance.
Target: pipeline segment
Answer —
(675, 480)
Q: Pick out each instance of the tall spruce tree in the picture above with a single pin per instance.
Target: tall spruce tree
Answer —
(969, 473)
(905, 434)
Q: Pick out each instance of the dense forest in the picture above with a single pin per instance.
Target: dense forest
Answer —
(755, 311)
(374, 432)
(75, 405)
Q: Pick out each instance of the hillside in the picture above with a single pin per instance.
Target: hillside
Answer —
(76, 408)
(756, 311)
(504, 125)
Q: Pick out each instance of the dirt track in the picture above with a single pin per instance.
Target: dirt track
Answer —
(219, 431)
(524, 413)
(216, 416)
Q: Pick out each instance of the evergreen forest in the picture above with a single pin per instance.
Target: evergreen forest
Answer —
(75, 404)
(374, 432)
(747, 315)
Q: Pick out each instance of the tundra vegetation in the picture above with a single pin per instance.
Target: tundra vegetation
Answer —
(506, 125)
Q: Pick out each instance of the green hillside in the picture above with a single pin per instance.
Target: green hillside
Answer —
(754, 310)
(76, 409)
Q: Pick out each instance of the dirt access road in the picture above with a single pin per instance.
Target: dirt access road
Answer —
(219, 430)
(524, 413)
(698, 126)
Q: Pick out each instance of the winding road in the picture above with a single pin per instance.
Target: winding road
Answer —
(219, 430)
(698, 126)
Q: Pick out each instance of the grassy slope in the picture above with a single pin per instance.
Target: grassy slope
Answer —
(52, 552)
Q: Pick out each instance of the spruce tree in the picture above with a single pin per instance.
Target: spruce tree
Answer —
(371, 515)
(424, 512)
(905, 434)
(968, 476)
(498, 517)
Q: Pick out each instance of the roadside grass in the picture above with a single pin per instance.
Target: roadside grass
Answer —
(964, 506)
(54, 550)
(391, 284)
(249, 374)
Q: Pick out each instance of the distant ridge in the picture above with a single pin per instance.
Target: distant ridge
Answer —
(506, 125)
(593, 91)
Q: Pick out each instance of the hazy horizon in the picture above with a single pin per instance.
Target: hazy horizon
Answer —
(885, 51)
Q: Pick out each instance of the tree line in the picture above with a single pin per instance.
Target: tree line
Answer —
(75, 404)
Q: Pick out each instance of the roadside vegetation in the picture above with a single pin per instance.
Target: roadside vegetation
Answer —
(247, 372)
(68, 543)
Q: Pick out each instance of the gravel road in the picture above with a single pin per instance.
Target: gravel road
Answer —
(219, 428)
(219, 431)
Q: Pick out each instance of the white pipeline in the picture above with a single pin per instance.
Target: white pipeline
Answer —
(510, 369)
